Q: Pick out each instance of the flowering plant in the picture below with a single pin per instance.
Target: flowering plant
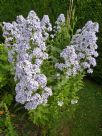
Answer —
(48, 74)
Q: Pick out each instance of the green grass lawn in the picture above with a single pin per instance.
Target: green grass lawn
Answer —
(88, 116)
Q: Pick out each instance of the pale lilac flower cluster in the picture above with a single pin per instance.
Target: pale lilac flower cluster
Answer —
(58, 25)
(25, 40)
(46, 26)
(60, 20)
(81, 53)
(84, 42)
(71, 65)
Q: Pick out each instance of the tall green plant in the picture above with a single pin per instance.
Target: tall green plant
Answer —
(59, 108)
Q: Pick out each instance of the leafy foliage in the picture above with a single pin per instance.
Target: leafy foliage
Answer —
(5, 116)
(6, 93)
(6, 78)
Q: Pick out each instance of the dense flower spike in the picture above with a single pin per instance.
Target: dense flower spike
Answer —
(46, 26)
(25, 40)
(71, 65)
(84, 42)
(58, 25)
(80, 54)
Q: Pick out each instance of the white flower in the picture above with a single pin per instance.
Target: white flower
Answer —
(90, 71)
(74, 101)
(60, 103)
